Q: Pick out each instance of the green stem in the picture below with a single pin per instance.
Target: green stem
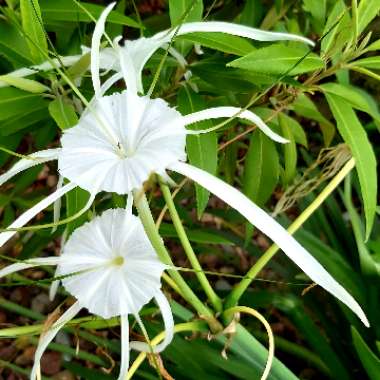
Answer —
(241, 287)
(212, 296)
(147, 220)
(17, 369)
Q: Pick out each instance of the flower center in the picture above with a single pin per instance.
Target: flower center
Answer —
(118, 261)
(120, 151)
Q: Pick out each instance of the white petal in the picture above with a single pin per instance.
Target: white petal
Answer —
(69, 314)
(57, 205)
(275, 231)
(124, 347)
(26, 163)
(234, 29)
(45, 66)
(217, 112)
(167, 316)
(55, 284)
(32, 212)
(95, 48)
(29, 264)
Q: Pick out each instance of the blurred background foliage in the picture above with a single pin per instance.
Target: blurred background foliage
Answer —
(325, 101)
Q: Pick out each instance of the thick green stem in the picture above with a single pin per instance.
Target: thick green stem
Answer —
(237, 292)
(212, 296)
(158, 244)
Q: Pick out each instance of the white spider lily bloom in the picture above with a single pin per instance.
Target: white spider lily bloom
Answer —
(122, 139)
(140, 50)
(111, 268)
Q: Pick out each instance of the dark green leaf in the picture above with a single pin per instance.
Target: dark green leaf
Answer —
(67, 10)
(63, 113)
(32, 25)
(185, 11)
(370, 361)
(279, 59)
(202, 148)
(220, 41)
(356, 138)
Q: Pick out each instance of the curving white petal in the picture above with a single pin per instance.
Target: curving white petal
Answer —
(124, 347)
(217, 112)
(28, 264)
(167, 316)
(45, 66)
(57, 205)
(69, 314)
(31, 160)
(275, 231)
(32, 212)
(230, 28)
(95, 48)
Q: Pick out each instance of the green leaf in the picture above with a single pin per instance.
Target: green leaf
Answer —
(261, 168)
(369, 63)
(374, 46)
(201, 149)
(290, 150)
(367, 263)
(63, 113)
(279, 60)
(226, 43)
(67, 10)
(252, 13)
(76, 199)
(261, 171)
(369, 360)
(297, 130)
(304, 106)
(367, 11)
(356, 138)
(225, 78)
(185, 11)
(32, 25)
(24, 84)
(13, 45)
(355, 96)
(15, 102)
(195, 236)
(317, 10)
(336, 30)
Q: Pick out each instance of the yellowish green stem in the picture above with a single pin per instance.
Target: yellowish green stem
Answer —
(212, 296)
(238, 291)
(158, 244)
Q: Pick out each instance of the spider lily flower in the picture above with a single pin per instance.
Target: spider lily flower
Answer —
(123, 138)
(141, 49)
(111, 268)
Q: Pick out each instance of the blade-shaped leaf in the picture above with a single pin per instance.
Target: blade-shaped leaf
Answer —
(370, 361)
(202, 148)
(367, 11)
(279, 59)
(63, 113)
(32, 25)
(356, 138)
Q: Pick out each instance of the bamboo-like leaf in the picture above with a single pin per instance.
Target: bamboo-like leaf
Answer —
(32, 25)
(63, 113)
(356, 138)
(290, 150)
(370, 361)
(202, 148)
(367, 11)
(279, 59)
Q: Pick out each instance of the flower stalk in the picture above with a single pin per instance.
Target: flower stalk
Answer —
(147, 220)
(241, 287)
(212, 296)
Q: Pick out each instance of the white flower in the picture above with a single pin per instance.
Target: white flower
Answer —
(123, 138)
(111, 268)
